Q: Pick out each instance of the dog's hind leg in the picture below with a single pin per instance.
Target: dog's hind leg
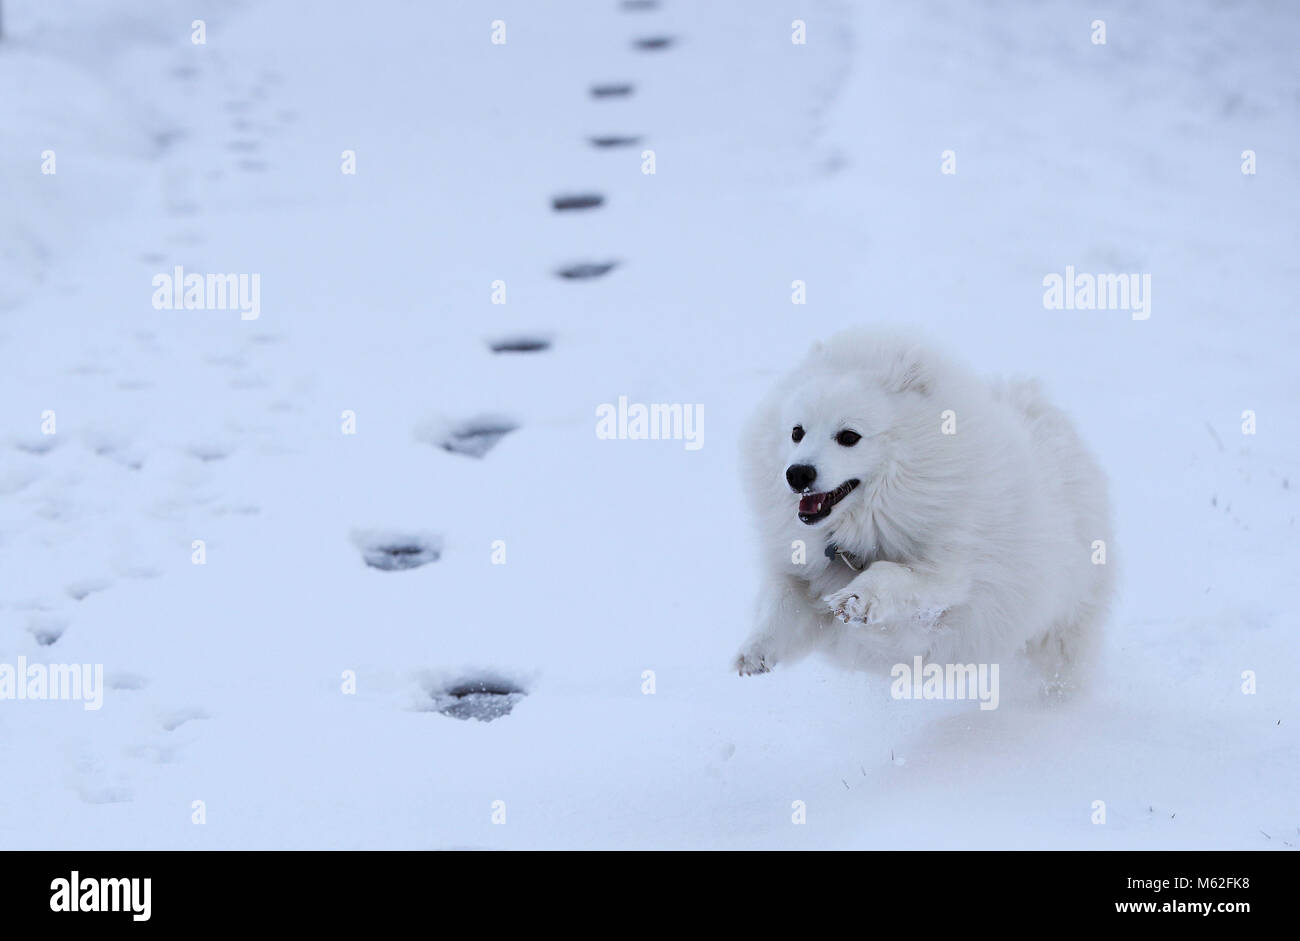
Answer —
(1066, 654)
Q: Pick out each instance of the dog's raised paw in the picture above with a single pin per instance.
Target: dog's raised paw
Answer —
(865, 606)
(848, 605)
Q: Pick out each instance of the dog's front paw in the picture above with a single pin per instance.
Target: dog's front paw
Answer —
(862, 605)
(753, 660)
(847, 605)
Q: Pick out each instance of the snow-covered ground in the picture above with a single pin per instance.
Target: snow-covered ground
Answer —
(774, 162)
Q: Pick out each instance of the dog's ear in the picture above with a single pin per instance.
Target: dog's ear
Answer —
(908, 373)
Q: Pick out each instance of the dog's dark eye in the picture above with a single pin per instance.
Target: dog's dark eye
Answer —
(797, 435)
(848, 438)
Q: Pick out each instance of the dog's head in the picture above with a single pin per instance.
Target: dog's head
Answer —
(834, 427)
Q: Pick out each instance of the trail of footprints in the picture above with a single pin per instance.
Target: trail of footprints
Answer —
(483, 697)
(252, 124)
(47, 627)
(488, 697)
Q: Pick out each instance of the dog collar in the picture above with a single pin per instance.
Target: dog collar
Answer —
(833, 550)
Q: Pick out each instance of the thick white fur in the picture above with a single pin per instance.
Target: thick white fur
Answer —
(980, 543)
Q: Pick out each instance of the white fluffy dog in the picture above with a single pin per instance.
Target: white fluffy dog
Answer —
(907, 508)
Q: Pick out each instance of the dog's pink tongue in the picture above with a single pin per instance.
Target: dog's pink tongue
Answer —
(812, 503)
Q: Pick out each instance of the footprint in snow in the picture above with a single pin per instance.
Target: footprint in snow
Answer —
(391, 551)
(473, 438)
(612, 90)
(477, 439)
(36, 444)
(116, 450)
(576, 201)
(586, 270)
(483, 697)
(613, 140)
(84, 588)
(653, 43)
(520, 344)
(175, 720)
(207, 453)
(126, 681)
(46, 628)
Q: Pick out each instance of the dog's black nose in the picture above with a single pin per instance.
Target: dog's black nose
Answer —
(800, 476)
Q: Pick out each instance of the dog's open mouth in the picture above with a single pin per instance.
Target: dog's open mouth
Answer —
(814, 507)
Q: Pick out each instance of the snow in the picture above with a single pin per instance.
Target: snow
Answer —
(775, 162)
